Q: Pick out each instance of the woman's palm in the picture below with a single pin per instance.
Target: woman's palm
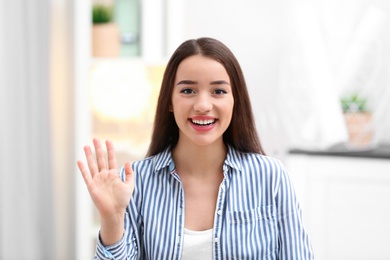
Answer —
(109, 193)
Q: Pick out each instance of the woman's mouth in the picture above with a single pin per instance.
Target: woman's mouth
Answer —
(203, 125)
(203, 122)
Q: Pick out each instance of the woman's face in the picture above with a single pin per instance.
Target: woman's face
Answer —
(202, 100)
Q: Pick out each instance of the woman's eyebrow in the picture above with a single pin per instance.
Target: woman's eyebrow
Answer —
(219, 82)
(192, 82)
(187, 82)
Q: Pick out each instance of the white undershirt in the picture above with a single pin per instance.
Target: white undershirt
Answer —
(197, 245)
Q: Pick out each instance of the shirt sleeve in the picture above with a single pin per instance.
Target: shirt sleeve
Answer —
(109, 252)
(294, 241)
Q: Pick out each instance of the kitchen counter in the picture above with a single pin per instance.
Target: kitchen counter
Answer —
(381, 151)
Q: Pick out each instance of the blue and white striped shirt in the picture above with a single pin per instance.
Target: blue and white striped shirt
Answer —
(257, 214)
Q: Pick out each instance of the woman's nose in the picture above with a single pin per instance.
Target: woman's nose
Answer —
(203, 103)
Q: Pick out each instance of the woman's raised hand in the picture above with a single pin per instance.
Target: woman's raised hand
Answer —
(109, 193)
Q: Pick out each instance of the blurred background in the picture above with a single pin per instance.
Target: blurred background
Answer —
(318, 74)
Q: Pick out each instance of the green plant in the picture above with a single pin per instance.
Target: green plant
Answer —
(102, 14)
(354, 103)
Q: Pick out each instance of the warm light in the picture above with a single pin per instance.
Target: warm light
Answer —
(123, 99)
(120, 89)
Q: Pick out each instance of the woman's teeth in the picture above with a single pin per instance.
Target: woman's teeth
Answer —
(203, 122)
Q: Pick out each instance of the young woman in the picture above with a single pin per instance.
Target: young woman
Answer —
(206, 189)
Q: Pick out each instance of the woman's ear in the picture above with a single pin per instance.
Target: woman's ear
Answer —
(170, 108)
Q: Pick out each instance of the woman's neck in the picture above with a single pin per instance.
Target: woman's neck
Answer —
(199, 160)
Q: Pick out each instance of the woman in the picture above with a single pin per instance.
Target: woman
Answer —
(206, 189)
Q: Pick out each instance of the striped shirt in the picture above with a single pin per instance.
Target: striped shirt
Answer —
(257, 214)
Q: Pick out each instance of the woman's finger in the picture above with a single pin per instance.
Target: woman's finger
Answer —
(112, 165)
(101, 161)
(90, 161)
(84, 172)
(129, 173)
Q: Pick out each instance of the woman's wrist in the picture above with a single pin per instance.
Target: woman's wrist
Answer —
(111, 229)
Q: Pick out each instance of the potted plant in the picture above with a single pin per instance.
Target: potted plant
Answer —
(358, 119)
(105, 32)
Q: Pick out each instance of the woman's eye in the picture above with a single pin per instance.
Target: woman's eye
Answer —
(187, 91)
(220, 91)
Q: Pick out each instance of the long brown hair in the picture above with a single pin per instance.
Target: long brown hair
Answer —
(241, 133)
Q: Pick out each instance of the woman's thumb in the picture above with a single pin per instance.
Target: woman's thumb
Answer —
(129, 173)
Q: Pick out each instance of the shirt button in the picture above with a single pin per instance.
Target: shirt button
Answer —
(219, 212)
(216, 239)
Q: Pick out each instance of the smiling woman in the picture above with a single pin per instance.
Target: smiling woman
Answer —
(205, 175)
(202, 100)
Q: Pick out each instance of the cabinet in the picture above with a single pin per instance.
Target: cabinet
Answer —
(345, 203)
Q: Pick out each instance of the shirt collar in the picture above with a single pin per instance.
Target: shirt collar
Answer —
(233, 158)
(164, 159)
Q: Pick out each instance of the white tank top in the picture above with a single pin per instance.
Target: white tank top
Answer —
(197, 245)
